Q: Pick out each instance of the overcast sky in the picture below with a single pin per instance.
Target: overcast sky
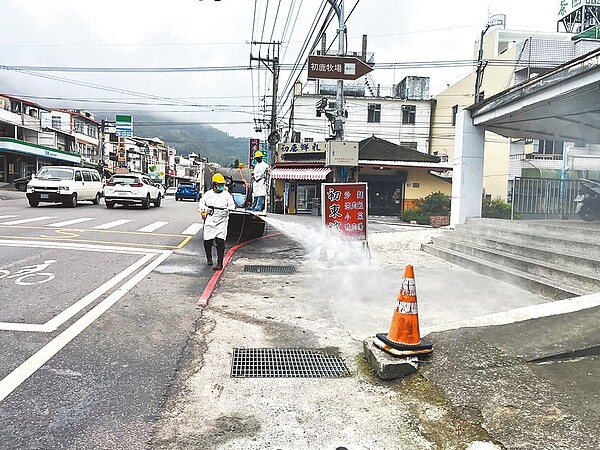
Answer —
(205, 33)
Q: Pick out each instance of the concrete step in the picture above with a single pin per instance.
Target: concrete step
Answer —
(559, 245)
(555, 274)
(575, 260)
(546, 287)
(572, 229)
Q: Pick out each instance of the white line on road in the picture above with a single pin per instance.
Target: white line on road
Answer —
(116, 223)
(152, 227)
(14, 379)
(8, 216)
(31, 219)
(70, 222)
(193, 229)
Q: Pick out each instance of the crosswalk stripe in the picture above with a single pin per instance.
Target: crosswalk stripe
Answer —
(70, 222)
(31, 219)
(193, 229)
(152, 227)
(8, 216)
(113, 224)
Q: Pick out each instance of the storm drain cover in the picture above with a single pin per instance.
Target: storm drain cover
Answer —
(286, 363)
(269, 269)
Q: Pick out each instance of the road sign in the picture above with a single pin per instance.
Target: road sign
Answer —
(337, 67)
(344, 209)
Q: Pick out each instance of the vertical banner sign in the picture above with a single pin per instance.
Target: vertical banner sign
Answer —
(254, 147)
(121, 154)
(344, 209)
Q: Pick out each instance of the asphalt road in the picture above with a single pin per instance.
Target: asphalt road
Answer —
(92, 343)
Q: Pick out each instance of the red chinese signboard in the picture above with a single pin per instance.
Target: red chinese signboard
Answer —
(345, 209)
(254, 147)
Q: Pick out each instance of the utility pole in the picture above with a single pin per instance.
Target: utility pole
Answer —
(274, 136)
(338, 124)
(480, 66)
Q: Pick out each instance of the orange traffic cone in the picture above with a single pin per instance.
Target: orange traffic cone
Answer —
(404, 339)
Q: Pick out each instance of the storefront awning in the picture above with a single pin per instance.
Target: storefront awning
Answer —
(317, 173)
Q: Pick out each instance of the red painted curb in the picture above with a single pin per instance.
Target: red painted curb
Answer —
(210, 286)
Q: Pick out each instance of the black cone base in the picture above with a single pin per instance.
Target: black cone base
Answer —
(393, 348)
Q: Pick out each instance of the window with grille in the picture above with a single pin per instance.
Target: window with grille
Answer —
(409, 114)
(374, 113)
(56, 122)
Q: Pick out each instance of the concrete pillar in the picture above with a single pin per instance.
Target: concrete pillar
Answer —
(467, 176)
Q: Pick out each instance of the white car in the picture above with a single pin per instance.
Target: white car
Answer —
(64, 184)
(171, 190)
(131, 189)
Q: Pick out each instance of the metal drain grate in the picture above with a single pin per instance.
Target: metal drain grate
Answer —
(286, 363)
(269, 269)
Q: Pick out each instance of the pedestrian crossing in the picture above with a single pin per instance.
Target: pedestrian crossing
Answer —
(190, 229)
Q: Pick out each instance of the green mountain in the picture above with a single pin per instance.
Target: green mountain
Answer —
(203, 140)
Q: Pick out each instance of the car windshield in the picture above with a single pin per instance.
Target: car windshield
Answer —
(186, 186)
(124, 180)
(57, 174)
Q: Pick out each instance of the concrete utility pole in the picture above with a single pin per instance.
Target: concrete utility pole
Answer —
(480, 66)
(338, 124)
(274, 137)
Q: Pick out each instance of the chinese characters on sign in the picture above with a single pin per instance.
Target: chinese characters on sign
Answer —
(345, 209)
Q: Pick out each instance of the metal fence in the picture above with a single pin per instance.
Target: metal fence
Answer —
(536, 198)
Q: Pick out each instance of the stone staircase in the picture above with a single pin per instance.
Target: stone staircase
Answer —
(556, 259)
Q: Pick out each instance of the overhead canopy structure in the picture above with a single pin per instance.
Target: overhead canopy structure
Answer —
(317, 173)
(563, 105)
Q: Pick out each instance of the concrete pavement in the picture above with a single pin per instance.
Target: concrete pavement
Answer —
(485, 387)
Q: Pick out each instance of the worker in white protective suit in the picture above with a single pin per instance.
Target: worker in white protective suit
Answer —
(214, 207)
(259, 182)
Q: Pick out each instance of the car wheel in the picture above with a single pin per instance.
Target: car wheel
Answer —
(96, 200)
(73, 202)
(110, 205)
(176, 199)
(22, 187)
(146, 202)
(33, 203)
(157, 201)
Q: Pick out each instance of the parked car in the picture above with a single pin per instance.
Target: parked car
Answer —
(131, 189)
(171, 190)
(64, 184)
(187, 191)
(21, 183)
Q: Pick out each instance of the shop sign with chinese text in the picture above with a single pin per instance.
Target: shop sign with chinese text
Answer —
(344, 209)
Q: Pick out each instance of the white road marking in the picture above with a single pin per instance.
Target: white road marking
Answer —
(193, 229)
(152, 227)
(14, 379)
(70, 222)
(31, 219)
(116, 223)
(8, 216)
(566, 306)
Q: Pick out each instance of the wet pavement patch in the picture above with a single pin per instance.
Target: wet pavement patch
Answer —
(286, 363)
(269, 269)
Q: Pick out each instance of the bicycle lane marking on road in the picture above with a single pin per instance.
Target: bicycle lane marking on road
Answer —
(54, 323)
(14, 379)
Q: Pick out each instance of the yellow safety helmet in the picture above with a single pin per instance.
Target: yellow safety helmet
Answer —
(258, 154)
(218, 178)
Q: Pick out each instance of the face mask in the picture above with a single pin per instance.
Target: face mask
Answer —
(220, 187)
